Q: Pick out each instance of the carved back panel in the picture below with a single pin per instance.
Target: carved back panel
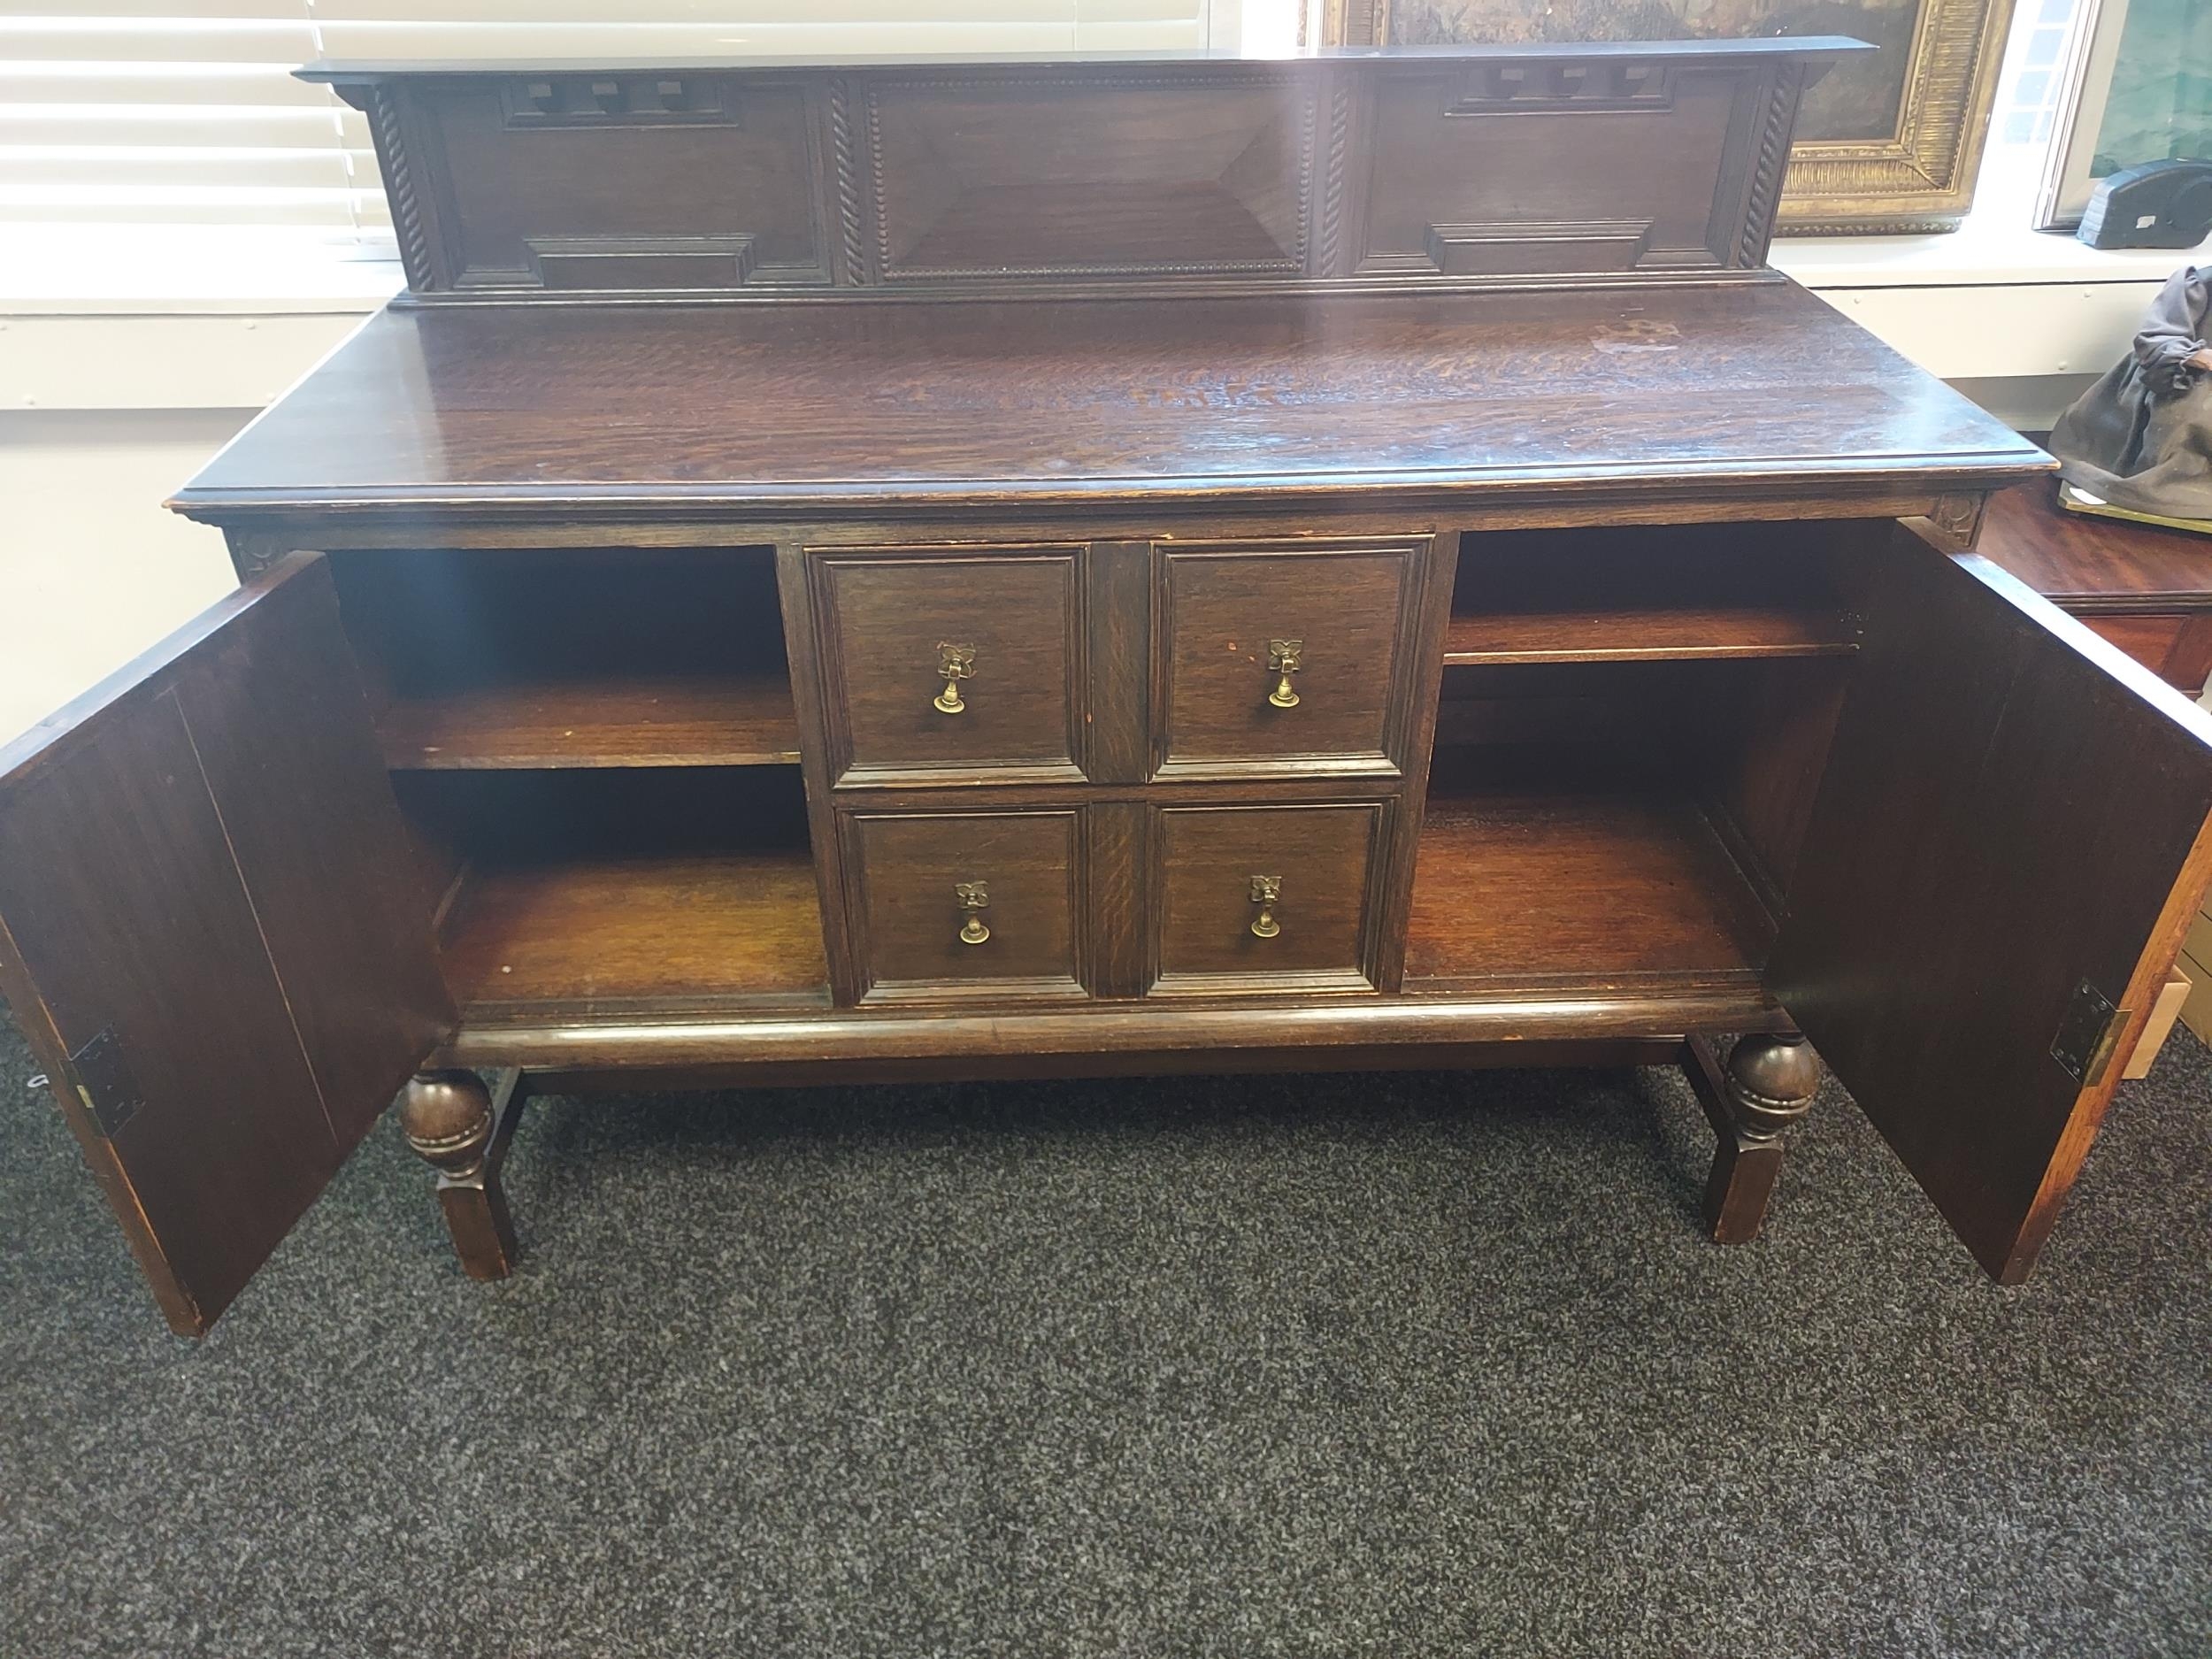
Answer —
(1447, 168)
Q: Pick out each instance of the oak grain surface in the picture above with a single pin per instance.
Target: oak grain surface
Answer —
(837, 406)
(1598, 886)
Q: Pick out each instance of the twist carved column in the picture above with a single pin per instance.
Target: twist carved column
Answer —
(461, 1129)
(1767, 1085)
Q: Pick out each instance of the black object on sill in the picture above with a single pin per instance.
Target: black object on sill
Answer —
(2159, 205)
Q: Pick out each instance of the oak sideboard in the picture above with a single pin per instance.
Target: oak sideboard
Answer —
(901, 569)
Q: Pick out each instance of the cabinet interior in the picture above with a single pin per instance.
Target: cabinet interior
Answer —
(520, 658)
(597, 757)
(1631, 733)
(596, 752)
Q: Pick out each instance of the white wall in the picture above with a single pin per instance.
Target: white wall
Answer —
(91, 570)
(103, 411)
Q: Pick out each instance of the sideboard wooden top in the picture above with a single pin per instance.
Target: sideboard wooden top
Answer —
(800, 409)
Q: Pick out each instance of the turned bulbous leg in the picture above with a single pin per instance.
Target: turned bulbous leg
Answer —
(461, 1129)
(1767, 1085)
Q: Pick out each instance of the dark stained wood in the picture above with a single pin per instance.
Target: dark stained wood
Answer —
(209, 922)
(1677, 633)
(427, 620)
(1768, 1084)
(1474, 400)
(884, 622)
(1767, 751)
(1633, 595)
(1454, 149)
(907, 870)
(617, 893)
(1591, 887)
(1004, 1065)
(608, 933)
(795, 604)
(1321, 861)
(2012, 810)
(462, 1129)
(695, 181)
(645, 722)
(1346, 609)
(728, 406)
(1115, 861)
(1118, 609)
(1104, 175)
(1121, 1039)
(1085, 168)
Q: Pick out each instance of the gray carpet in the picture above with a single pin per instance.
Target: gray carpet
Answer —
(1406, 1365)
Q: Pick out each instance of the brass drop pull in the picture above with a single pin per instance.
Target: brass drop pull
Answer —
(955, 664)
(1282, 661)
(973, 896)
(1266, 891)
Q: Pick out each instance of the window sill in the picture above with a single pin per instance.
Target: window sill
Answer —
(73, 271)
(1976, 255)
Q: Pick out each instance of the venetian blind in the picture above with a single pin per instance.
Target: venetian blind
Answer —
(184, 113)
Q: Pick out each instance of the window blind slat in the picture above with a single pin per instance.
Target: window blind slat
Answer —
(140, 40)
(226, 125)
(129, 114)
(675, 41)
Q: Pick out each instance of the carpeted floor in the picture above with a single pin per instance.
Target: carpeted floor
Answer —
(1417, 1365)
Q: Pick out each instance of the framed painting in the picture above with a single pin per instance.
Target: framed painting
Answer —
(1886, 142)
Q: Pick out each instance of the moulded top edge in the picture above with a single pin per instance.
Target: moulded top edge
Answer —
(1810, 47)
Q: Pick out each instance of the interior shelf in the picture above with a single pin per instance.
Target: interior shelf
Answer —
(514, 658)
(611, 932)
(1588, 884)
(1680, 633)
(672, 721)
(1670, 592)
(573, 893)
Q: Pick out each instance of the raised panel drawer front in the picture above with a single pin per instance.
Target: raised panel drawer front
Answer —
(962, 905)
(1283, 660)
(1266, 899)
(951, 667)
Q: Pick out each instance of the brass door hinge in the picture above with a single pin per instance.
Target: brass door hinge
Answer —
(2088, 1034)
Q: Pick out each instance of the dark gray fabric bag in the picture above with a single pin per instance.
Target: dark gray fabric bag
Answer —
(2141, 437)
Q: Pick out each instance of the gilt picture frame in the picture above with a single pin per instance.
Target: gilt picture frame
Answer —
(1888, 145)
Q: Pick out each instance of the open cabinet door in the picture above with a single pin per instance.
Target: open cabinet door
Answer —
(2009, 845)
(210, 932)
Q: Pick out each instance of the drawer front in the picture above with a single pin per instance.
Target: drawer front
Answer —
(954, 905)
(1283, 660)
(945, 667)
(1263, 898)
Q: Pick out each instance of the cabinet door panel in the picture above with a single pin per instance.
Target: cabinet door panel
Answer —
(210, 932)
(2010, 840)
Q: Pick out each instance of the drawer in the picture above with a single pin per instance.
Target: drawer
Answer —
(945, 666)
(1283, 659)
(965, 905)
(1269, 898)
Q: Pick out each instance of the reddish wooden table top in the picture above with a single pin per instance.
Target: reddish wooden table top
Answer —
(2088, 564)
